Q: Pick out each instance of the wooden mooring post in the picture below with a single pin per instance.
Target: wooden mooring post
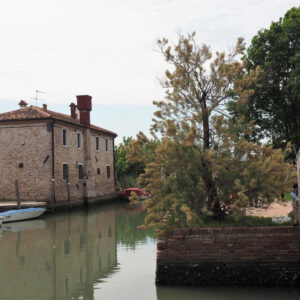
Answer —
(18, 194)
(68, 194)
(53, 194)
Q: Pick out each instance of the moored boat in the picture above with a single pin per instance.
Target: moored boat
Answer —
(139, 192)
(21, 214)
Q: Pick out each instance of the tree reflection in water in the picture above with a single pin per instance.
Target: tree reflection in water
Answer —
(129, 218)
(64, 255)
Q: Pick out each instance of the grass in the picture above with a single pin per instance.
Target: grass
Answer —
(245, 221)
(288, 196)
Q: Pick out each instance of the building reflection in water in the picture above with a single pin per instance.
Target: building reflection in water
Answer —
(58, 257)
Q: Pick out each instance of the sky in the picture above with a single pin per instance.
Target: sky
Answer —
(106, 49)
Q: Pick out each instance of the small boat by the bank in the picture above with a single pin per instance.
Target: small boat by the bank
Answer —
(139, 192)
(21, 214)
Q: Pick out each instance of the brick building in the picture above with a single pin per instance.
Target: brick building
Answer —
(55, 157)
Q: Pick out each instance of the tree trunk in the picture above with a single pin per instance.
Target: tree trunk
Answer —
(213, 203)
(205, 122)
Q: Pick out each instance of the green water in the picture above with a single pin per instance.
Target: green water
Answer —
(95, 254)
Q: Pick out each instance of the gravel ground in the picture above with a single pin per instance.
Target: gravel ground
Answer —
(275, 209)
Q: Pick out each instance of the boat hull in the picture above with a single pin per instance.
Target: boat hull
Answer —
(22, 214)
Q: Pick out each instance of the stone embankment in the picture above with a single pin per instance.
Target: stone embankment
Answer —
(258, 256)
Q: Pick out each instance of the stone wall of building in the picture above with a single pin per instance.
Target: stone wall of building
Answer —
(73, 156)
(25, 156)
(93, 185)
(101, 159)
(261, 256)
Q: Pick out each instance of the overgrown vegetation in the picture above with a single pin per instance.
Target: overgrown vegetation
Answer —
(206, 154)
(126, 172)
(244, 221)
(198, 162)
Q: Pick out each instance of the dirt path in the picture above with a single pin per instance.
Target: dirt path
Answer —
(275, 209)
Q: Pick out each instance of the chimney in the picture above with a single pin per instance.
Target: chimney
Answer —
(73, 107)
(84, 105)
(44, 107)
(22, 104)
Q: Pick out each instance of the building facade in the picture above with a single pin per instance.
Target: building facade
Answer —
(53, 157)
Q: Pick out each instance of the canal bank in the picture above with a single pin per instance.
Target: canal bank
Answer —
(61, 206)
(245, 256)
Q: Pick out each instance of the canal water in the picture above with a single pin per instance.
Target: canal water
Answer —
(95, 254)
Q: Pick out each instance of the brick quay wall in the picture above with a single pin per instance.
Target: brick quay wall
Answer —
(248, 256)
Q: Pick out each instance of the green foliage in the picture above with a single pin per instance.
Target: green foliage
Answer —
(233, 221)
(203, 161)
(275, 105)
(126, 172)
(287, 197)
(134, 199)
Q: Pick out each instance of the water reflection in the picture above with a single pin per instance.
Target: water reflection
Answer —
(24, 225)
(129, 218)
(95, 254)
(58, 257)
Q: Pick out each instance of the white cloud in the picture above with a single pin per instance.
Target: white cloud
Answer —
(105, 47)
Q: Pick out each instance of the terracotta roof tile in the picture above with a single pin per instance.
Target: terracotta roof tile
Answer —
(37, 113)
(26, 113)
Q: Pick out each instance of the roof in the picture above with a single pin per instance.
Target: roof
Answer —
(36, 113)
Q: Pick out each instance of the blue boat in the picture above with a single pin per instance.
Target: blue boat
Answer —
(21, 214)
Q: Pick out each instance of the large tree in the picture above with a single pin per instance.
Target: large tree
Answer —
(275, 104)
(203, 161)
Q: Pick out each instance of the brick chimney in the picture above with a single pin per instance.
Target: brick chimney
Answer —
(84, 105)
(22, 104)
(73, 107)
(44, 107)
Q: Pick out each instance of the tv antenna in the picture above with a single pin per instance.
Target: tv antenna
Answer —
(36, 98)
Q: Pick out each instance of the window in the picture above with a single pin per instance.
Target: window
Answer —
(98, 171)
(65, 172)
(65, 137)
(107, 172)
(79, 140)
(106, 145)
(97, 143)
(80, 171)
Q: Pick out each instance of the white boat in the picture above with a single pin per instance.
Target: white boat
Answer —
(21, 214)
